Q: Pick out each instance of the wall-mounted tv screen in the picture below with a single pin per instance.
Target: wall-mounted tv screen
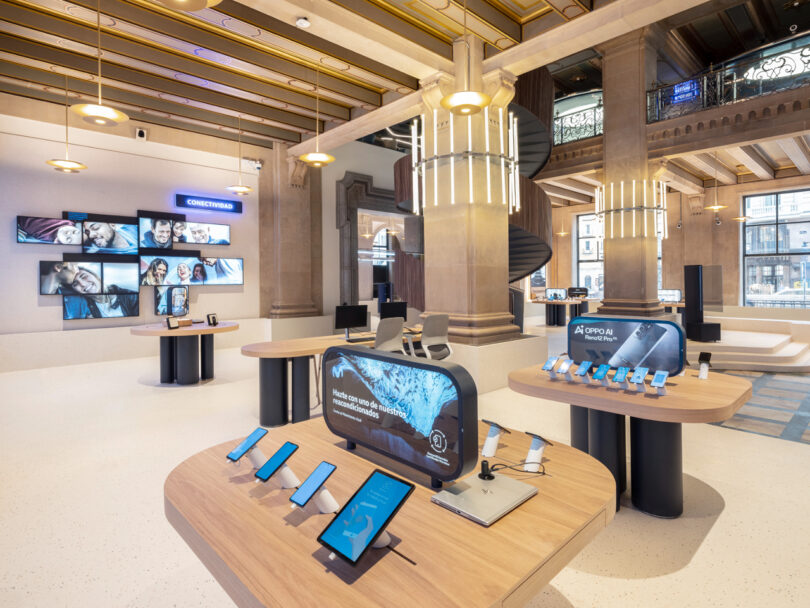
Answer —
(171, 301)
(201, 234)
(120, 278)
(49, 231)
(555, 293)
(87, 277)
(102, 306)
(110, 237)
(155, 233)
(184, 270)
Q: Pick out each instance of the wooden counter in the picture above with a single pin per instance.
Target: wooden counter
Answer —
(196, 329)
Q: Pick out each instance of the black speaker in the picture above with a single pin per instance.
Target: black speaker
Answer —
(693, 289)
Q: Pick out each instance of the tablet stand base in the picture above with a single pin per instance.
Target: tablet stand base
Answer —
(256, 458)
(383, 540)
(325, 502)
(586, 379)
(641, 387)
(288, 478)
(535, 455)
(703, 374)
(491, 442)
(662, 390)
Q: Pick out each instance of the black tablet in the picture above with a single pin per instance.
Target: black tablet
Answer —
(366, 514)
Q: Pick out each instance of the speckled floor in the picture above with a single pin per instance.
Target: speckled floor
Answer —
(84, 451)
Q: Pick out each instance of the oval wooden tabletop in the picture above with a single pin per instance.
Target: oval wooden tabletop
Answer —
(197, 329)
(300, 347)
(561, 302)
(264, 553)
(688, 399)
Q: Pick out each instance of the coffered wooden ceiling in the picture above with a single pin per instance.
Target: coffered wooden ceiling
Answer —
(204, 71)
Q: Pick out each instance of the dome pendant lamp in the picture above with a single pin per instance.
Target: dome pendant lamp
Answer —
(65, 165)
(317, 158)
(715, 206)
(464, 101)
(99, 114)
(239, 188)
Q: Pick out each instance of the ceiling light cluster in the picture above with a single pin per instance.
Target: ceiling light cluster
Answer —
(464, 101)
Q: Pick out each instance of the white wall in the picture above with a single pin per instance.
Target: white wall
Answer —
(359, 158)
(123, 176)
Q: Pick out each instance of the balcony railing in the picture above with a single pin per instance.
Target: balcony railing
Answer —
(578, 125)
(786, 66)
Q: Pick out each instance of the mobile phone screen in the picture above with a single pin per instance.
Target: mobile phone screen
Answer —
(621, 374)
(601, 371)
(584, 368)
(639, 374)
(549, 364)
(565, 366)
(248, 443)
(312, 483)
(659, 379)
(276, 460)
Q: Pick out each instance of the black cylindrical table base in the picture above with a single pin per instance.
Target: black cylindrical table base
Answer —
(300, 389)
(187, 359)
(207, 356)
(579, 428)
(167, 359)
(273, 392)
(657, 456)
(605, 443)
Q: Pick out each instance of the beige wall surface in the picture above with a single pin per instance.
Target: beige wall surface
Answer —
(123, 176)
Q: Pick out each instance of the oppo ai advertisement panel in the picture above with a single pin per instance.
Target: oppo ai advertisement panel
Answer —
(201, 234)
(110, 237)
(183, 270)
(422, 414)
(48, 231)
(627, 343)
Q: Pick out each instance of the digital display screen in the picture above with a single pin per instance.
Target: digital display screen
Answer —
(565, 366)
(248, 443)
(120, 278)
(87, 278)
(409, 410)
(312, 483)
(601, 371)
(184, 270)
(549, 364)
(639, 374)
(155, 233)
(659, 379)
(276, 460)
(553, 293)
(48, 231)
(577, 292)
(171, 301)
(101, 306)
(109, 237)
(621, 374)
(584, 368)
(361, 520)
(670, 295)
(627, 342)
(199, 233)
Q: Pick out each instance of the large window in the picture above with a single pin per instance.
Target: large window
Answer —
(776, 250)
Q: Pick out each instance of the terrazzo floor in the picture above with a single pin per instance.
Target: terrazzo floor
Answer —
(84, 452)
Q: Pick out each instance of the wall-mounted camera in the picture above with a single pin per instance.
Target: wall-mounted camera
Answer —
(140, 134)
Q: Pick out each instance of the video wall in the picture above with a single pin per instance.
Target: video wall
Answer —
(116, 255)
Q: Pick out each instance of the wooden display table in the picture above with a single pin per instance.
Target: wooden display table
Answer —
(180, 354)
(265, 554)
(597, 426)
(273, 358)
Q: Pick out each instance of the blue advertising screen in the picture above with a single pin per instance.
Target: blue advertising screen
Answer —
(362, 519)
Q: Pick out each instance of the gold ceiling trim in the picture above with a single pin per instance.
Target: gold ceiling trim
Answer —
(542, 9)
(402, 16)
(457, 28)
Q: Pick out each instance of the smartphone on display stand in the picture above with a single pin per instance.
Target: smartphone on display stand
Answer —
(638, 375)
(312, 483)
(276, 461)
(584, 368)
(565, 366)
(247, 444)
(549, 364)
(621, 375)
(601, 372)
(660, 378)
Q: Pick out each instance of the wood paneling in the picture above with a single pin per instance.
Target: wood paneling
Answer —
(409, 277)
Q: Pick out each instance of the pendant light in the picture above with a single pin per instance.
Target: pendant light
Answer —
(715, 206)
(317, 158)
(562, 231)
(239, 188)
(189, 6)
(464, 101)
(65, 165)
(99, 114)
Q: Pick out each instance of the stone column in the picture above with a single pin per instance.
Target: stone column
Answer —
(631, 262)
(286, 230)
(465, 221)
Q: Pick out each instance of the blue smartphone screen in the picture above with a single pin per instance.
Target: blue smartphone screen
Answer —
(248, 443)
(361, 519)
(601, 371)
(584, 368)
(639, 374)
(621, 374)
(275, 461)
(660, 378)
(549, 364)
(312, 483)
(565, 366)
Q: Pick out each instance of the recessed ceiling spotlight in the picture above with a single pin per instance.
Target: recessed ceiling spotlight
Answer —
(302, 22)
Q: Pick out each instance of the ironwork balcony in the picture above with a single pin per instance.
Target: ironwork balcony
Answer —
(775, 68)
(578, 125)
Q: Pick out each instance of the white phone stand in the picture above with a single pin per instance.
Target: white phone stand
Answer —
(703, 372)
(568, 375)
(325, 502)
(586, 379)
(623, 384)
(491, 442)
(256, 458)
(383, 540)
(552, 374)
(605, 380)
(662, 390)
(640, 387)
(288, 478)
(535, 455)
